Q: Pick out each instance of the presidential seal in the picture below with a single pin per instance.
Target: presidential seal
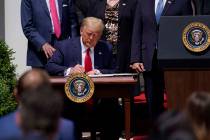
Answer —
(79, 87)
(196, 37)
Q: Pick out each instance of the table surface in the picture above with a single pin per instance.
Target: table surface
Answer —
(101, 80)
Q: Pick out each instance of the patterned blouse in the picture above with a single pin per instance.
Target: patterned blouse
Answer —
(111, 25)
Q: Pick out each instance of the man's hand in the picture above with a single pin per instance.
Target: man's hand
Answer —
(77, 69)
(139, 67)
(48, 50)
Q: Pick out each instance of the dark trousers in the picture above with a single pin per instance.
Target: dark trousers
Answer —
(109, 118)
(154, 89)
(104, 116)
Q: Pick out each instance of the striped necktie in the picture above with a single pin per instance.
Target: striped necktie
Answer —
(159, 10)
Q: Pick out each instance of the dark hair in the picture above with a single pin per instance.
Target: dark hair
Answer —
(198, 107)
(171, 122)
(40, 110)
(182, 135)
(32, 79)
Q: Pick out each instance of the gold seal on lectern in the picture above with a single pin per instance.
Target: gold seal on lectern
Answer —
(196, 37)
(79, 87)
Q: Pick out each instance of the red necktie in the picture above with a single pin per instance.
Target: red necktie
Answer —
(55, 19)
(88, 62)
(88, 67)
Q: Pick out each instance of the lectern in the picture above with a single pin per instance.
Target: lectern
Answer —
(110, 86)
(186, 68)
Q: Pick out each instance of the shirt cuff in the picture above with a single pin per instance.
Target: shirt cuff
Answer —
(97, 72)
(67, 72)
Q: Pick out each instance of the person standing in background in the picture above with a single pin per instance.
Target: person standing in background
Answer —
(44, 22)
(118, 17)
(144, 47)
(82, 8)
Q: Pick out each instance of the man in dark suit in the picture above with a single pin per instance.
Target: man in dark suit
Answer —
(31, 80)
(45, 22)
(70, 55)
(125, 11)
(144, 45)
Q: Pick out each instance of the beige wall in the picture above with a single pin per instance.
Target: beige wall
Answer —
(13, 34)
(2, 34)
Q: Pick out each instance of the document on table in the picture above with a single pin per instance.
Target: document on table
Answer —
(113, 75)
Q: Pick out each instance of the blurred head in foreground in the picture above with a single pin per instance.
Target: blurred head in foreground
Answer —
(198, 110)
(173, 125)
(31, 79)
(39, 112)
(39, 107)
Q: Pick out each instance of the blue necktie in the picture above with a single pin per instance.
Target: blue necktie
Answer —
(159, 10)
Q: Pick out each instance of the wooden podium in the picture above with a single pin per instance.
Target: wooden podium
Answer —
(181, 83)
(185, 71)
(109, 87)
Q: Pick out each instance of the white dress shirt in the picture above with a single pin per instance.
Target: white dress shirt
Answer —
(83, 52)
(48, 5)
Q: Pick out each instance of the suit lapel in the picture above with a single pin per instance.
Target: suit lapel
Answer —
(60, 8)
(44, 5)
(122, 5)
(166, 7)
(77, 53)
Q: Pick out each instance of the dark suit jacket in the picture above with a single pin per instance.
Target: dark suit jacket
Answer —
(83, 7)
(68, 54)
(206, 7)
(10, 130)
(145, 34)
(37, 26)
(202, 7)
(126, 18)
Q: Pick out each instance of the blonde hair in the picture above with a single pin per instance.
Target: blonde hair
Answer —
(93, 22)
